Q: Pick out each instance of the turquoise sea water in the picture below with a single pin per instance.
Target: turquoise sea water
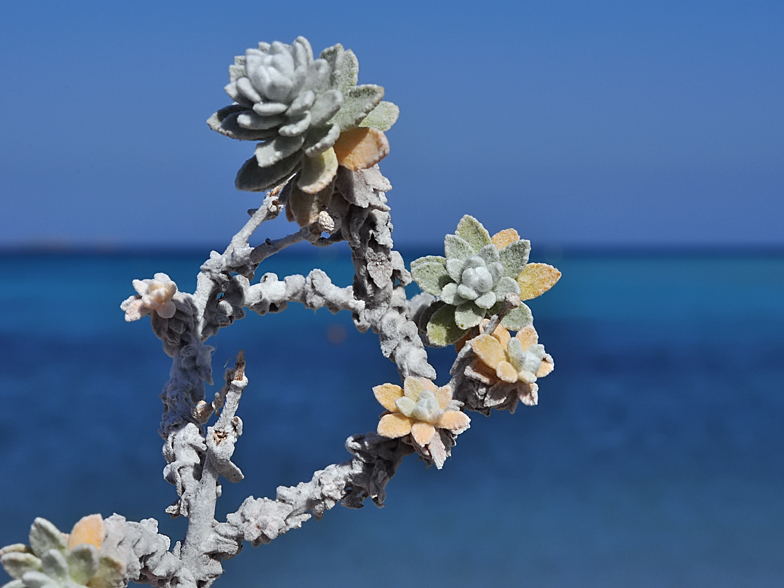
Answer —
(653, 459)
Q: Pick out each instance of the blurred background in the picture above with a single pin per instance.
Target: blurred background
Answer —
(639, 146)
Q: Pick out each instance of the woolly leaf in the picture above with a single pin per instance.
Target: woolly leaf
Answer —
(320, 139)
(441, 328)
(514, 257)
(506, 372)
(527, 336)
(450, 296)
(443, 396)
(428, 258)
(318, 172)
(472, 231)
(468, 315)
(394, 425)
(382, 117)
(422, 433)
(518, 318)
(279, 148)
(17, 563)
(457, 248)
(345, 70)
(387, 395)
(326, 106)
(488, 350)
(455, 268)
(253, 178)
(359, 102)
(536, 279)
(431, 276)
(413, 387)
(437, 450)
(503, 238)
(361, 148)
(54, 565)
(302, 208)
(110, 574)
(45, 536)
(486, 300)
(225, 122)
(90, 529)
(82, 562)
(547, 366)
(455, 421)
(490, 254)
(506, 286)
(38, 580)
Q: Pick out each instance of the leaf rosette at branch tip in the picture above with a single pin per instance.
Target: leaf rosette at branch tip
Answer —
(308, 115)
(59, 560)
(510, 366)
(153, 295)
(423, 411)
(473, 279)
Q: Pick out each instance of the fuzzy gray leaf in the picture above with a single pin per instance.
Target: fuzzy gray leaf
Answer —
(225, 122)
(45, 536)
(82, 562)
(514, 257)
(457, 248)
(253, 178)
(359, 101)
(382, 117)
(518, 318)
(431, 277)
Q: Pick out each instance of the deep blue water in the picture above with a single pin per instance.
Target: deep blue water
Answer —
(655, 456)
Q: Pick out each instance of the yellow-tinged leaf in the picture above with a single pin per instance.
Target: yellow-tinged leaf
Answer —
(361, 148)
(429, 385)
(503, 238)
(413, 387)
(455, 421)
(502, 335)
(394, 425)
(387, 394)
(317, 172)
(536, 279)
(547, 366)
(422, 433)
(506, 372)
(489, 350)
(88, 529)
(443, 395)
(528, 336)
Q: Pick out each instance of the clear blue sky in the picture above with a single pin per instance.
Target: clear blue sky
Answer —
(578, 123)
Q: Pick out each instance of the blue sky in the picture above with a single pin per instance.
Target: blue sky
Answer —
(578, 123)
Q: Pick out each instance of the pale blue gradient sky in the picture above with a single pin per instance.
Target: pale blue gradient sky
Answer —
(578, 123)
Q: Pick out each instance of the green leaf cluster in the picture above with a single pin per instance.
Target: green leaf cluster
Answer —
(47, 563)
(297, 107)
(471, 282)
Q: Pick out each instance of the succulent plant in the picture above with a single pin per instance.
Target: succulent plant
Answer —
(57, 560)
(420, 408)
(472, 280)
(511, 364)
(308, 115)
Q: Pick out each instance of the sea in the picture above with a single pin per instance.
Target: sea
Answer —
(655, 457)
